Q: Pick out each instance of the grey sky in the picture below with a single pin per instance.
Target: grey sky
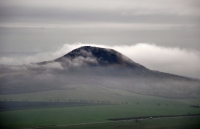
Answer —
(43, 25)
(46, 25)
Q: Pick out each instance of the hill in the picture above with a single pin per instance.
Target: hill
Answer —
(96, 66)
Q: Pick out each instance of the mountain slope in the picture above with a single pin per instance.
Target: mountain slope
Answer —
(95, 56)
(88, 58)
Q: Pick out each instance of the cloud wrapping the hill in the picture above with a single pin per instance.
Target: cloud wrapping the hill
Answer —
(172, 60)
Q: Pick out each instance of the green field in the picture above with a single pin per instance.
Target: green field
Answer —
(85, 114)
(177, 123)
(122, 105)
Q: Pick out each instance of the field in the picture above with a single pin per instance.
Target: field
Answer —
(181, 123)
(99, 105)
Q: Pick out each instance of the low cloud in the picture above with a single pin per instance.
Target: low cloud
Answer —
(172, 60)
(53, 65)
(166, 59)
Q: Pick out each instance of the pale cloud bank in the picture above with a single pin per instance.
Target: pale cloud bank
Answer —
(166, 59)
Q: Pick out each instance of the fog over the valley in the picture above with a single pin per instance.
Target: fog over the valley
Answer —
(183, 62)
(34, 78)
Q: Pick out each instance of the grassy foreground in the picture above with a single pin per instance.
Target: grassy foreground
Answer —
(122, 104)
(84, 114)
(168, 123)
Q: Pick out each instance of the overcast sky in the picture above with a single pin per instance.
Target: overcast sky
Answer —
(45, 26)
